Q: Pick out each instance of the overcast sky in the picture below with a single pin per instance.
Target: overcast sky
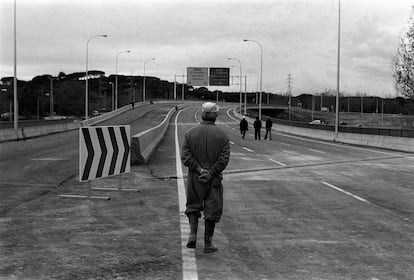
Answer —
(298, 37)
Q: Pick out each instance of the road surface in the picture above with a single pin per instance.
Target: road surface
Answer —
(295, 208)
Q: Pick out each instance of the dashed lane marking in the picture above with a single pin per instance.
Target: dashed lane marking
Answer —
(188, 255)
(49, 159)
(345, 192)
(231, 142)
(318, 151)
(278, 162)
(283, 143)
(247, 149)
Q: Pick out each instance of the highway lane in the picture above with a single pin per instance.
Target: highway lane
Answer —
(291, 211)
(300, 209)
(34, 167)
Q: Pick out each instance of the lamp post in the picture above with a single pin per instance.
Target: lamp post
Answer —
(240, 80)
(112, 98)
(337, 71)
(116, 78)
(143, 85)
(16, 108)
(51, 96)
(261, 74)
(257, 85)
(86, 76)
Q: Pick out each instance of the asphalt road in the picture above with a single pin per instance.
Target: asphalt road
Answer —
(34, 167)
(298, 208)
(295, 208)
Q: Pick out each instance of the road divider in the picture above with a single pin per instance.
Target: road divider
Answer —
(144, 144)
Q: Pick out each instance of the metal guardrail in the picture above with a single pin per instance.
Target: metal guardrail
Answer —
(347, 129)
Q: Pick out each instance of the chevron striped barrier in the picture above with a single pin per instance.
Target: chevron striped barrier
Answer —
(103, 151)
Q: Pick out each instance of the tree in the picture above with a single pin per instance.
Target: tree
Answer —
(403, 66)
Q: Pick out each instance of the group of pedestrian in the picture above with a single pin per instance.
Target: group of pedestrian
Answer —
(257, 125)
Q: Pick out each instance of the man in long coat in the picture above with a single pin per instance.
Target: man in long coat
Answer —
(206, 153)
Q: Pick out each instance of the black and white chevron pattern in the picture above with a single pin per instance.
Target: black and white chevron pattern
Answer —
(103, 151)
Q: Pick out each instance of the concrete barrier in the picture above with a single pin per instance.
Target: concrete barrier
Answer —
(145, 143)
(9, 134)
(403, 144)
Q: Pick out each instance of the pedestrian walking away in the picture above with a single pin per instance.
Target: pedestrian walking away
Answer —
(257, 126)
(206, 153)
(268, 129)
(244, 126)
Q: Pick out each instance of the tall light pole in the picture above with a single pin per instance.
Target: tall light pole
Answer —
(86, 76)
(143, 85)
(16, 108)
(261, 75)
(338, 71)
(240, 80)
(257, 85)
(116, 78)
(182, 88)
(51, 96)
(112, 99)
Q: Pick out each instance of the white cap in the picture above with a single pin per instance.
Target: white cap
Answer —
(210, 107)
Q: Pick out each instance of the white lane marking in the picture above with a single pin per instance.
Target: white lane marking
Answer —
(247, 149)
(188, 255)
(51, 159)
(233, 128)
(345, 192)
(318, 151)
(278, 162)
(231, 142)
(283, 143)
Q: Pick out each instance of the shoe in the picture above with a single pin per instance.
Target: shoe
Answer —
(208, 237)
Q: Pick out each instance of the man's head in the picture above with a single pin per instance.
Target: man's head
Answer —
(209, 111)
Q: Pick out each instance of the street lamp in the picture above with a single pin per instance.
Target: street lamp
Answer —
(337, 71)
(261, 74)
(16, 108)
(143, 86)
(51, 96)
(112, 99)
(240, 80)
(116, 78)
(257, 85)
(86, 77)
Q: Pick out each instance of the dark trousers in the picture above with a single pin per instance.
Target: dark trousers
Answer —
(257, 134)
(268, 131)
(243, 133)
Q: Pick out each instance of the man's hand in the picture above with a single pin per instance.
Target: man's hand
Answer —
(205, 176)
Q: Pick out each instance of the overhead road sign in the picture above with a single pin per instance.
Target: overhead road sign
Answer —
(103, 151)
(197, 76)
(219, 76)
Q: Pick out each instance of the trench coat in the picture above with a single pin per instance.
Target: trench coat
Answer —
(205, 147)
